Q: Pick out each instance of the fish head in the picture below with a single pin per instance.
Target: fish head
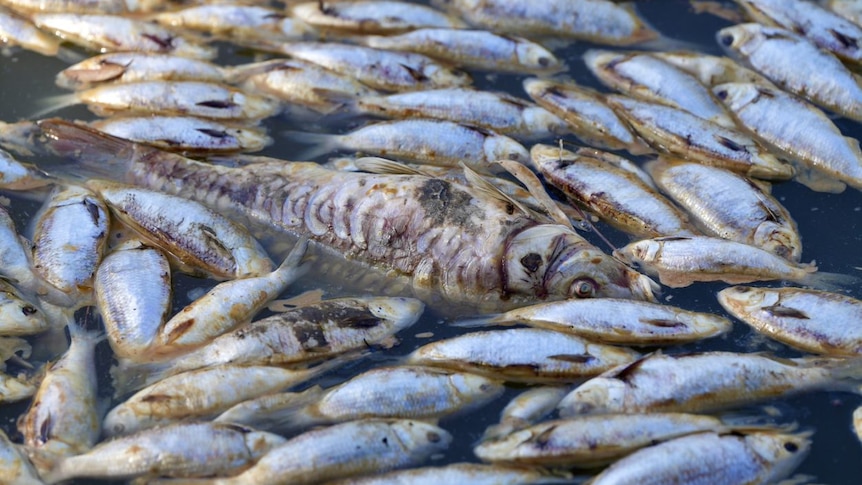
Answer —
(738, 95)
(90, 71)
(743, 39)
(120, 421)
(544, 120)
(599, 395)
(498, 147)
(419, 437)
(783, 452)
(552, 262)
(471, 387)
(258, 442)
(779, 240)
(443, 76)
(742, 300)
(536, 58)
(401, 311)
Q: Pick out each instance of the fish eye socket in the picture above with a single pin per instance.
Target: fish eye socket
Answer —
(791, 447)
(28, 310)
(726, 40)
(544, 61)
(722, 94)
(584, 288)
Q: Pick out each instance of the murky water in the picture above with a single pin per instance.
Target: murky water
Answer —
(831, 226)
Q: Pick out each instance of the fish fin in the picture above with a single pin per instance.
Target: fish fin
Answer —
(847, 370)
(54, 103)
(386, 166)
(573, 358)
(835, 282)
(323, 143)
(483, 321)
(128, 376)
(69, 56)
(487, 188)
(817, 181)
(537, 190)
(275, 411)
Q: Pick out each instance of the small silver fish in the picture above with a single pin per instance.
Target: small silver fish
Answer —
(186, 134)
(372, 16)
(17, 315)
(526, 409)
(237, 23)
(15, 30)
(127, 67)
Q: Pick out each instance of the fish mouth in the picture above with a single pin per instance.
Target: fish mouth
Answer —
(643, 287)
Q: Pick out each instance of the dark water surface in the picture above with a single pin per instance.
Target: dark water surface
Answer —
(829, 224)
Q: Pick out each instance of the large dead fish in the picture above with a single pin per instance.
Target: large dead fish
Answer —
(452, 243)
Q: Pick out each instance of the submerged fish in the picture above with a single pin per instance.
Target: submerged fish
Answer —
(452, 244)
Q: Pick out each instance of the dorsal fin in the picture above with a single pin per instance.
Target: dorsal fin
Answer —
(537, 190)
(490, 190)
(381, 165)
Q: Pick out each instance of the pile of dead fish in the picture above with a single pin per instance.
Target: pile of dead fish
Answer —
(444, 208)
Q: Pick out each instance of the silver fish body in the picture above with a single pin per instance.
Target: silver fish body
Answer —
(472, 473)
(127, 67)
(237, 23)
(795, 129)
(796, 65)
(526, 409)
(405, 223)
(815, 321)
(15, 30)
(729, 206)
(373, 17)
(133, 293)
(15, 175)
(709, 458)
(188, 449)
(711, 70)
(523, 355)
(15, 465)
(472, 49)
(17, 315)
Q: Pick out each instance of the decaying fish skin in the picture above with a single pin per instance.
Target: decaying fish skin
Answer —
(824, 28)
(133, 294)
(378, 68)
(849, 9)
(523, 355)
(63, 418)
(498, 112)
(815, 321)
(435, 142)
(112, 32)
(15, 266)
(344, 450)
(72, 6)
(372, 17)
(711, 70)
(17, 315)
(202, 394)
(15, 465)
(705, 458)
(69, 241)
(407, 392)
(649, 78)
(680, 261)
(197, 238)
(298, 82)
(684, 135)
(526, 409)
(127, 67)
(237, 23)
(796, 130)
(615, 321)
(590, 441)
(599, 21)
(15, 30)
(616, 195)
(15, 175)
(585, 113)
(13, 389)
(304, 334)
(472, 49)
(187, 134)
(226, 306)
(191, 98)
(701, 382)
(796, 65)
(472, 473)
(452, 245)
(729, 206)
(188, 449)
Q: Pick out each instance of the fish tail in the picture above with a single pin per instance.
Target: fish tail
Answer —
(128, 376)
(835, 282)
(55, 103)
(483, 321)
(322, 143)
(93, 153)
(848, 370)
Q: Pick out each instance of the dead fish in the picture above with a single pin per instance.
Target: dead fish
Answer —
(15, 175)
(729, 206)
(15, 465)
(526, 409)
(15, 30)
(523, 355)
(72, 6)
(804, 319)
(128, 67)
(372, 17)
(849, 9)
(599, 21)
(472, 49)
(237, 23)
(756, 458)
(711, 70)
(472, 473)
(701, 382)
(414, 236)
(186, 134)
(17, 315)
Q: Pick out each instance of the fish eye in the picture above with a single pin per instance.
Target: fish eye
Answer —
(726, 40)
(584, 288)
(791, 447)
(721, 94)
(544, 61)
(28, 310)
